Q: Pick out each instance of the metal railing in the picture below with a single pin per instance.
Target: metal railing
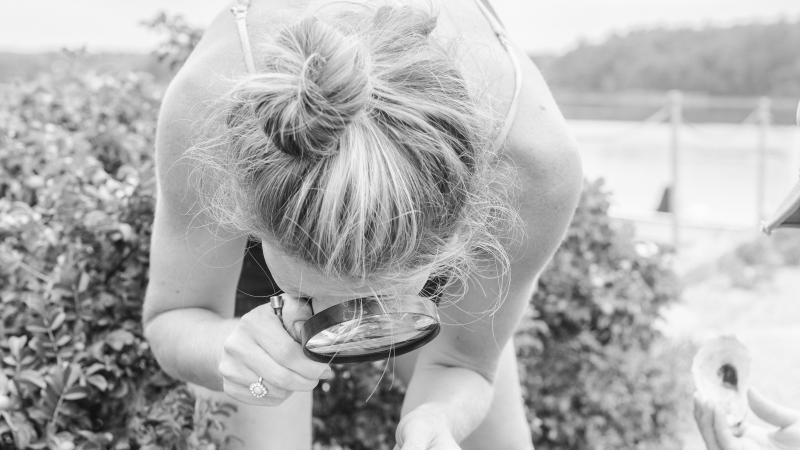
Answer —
(679, 110)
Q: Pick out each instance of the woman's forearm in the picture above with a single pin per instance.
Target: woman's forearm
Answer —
(187, 343)
(461, 395)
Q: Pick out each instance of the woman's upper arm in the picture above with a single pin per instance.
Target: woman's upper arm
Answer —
(478, 326)
(549, 181)
(193, 264)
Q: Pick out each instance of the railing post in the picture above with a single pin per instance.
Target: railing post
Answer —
(764, 121)
(676, 122)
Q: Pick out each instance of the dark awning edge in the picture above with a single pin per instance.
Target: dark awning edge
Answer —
(788, 213)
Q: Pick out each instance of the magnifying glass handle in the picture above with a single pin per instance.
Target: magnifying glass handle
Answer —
(277, 301)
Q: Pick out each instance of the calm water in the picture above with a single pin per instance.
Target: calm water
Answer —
(717, 168)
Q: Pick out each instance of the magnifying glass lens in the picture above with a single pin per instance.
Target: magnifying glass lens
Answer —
(370, 329)
(355, 337)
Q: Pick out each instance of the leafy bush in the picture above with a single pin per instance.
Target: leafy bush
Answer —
(358, 409)
(595, 371)
(76, 204)
(755, 261)
(178, 39)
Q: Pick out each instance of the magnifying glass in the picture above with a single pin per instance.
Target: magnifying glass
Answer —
(367, 328)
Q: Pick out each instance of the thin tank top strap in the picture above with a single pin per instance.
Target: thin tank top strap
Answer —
(239, 11)
(502, 36)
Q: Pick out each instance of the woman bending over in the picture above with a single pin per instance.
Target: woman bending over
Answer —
(339, 153)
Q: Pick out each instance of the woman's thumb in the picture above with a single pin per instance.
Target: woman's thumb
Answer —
(786, 438)
(294, 314)
(771, 412)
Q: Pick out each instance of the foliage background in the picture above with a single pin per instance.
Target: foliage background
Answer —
(76, 203)
(741, 60)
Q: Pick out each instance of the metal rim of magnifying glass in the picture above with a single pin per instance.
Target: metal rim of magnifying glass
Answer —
(371, 307)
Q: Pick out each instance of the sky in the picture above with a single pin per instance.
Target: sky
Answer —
(540, 26)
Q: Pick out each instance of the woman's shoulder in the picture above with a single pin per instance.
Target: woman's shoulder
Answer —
(548, 167)
(539, 141)
(218, 61)
(189, 113)
(193, 96)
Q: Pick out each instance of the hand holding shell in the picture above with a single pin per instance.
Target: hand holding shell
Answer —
(721, 371)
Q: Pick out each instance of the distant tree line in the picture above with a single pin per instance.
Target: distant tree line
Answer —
(26, 66)
(178, 37)
(746, 60)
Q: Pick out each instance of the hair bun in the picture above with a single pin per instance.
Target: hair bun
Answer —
(319, 84)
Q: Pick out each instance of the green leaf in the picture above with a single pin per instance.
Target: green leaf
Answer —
(31, 377)
(72, 374)
(55, 383)
(37, 329)
(16, 344)
(98, 381)
(27, 360)
(39, 416)
(118, 339)
(96, 367)
(23, 430)
(75, 393)
(58, 320)
(4, 381)
(63, 340)
(83, 284)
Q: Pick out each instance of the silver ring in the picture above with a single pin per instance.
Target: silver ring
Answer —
(258, 390)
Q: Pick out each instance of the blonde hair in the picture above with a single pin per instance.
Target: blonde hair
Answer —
(358, 148)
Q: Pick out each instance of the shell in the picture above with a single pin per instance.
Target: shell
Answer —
(721, 372)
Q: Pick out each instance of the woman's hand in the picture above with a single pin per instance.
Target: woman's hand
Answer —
(425, 428)
(261, 346)
(719, 436)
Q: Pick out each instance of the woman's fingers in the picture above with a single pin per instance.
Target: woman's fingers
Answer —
(275, 395)
(718, 434)
(786, 437)
(416, 442)
(281, 376)
(260, 350)
(771, 412)
(704, 417)
(267, 331)
(237, 379)
(242, 369)
(722, 432)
